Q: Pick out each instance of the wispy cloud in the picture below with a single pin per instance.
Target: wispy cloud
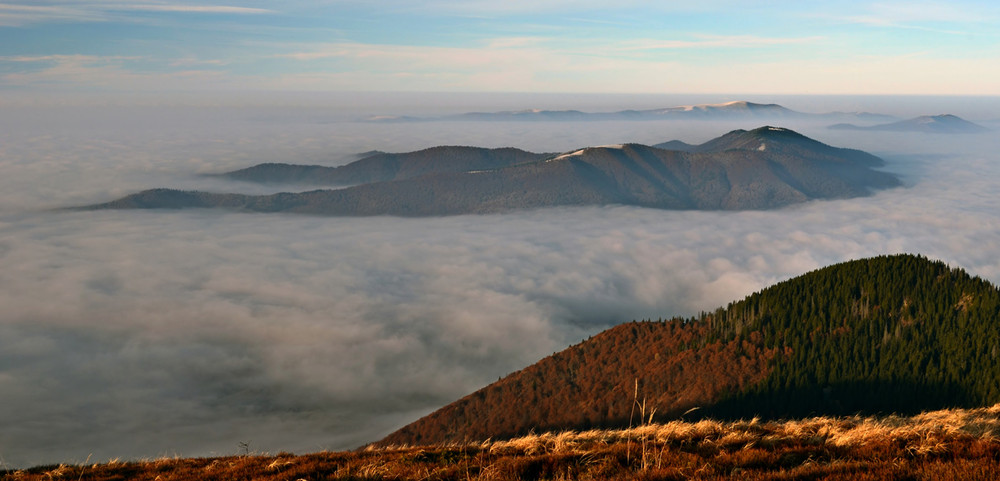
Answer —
(925, 16)
(433, 45)
(108, 72)
(633, 67)
(65, 58)
(527, 62)
(490, 8)
(715, 41)
(521, 64)
(189, 8)
(908, 12)
(191, 61)
(515, 42)
(16, 14)
(533, 46)
(874, 21)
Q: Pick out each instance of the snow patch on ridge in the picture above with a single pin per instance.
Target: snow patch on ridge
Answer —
(564, 156)
(734, 103)
(581, 151)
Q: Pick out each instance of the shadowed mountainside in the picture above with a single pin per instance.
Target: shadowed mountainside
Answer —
(888, 334)
(381, 166)
(763, 168)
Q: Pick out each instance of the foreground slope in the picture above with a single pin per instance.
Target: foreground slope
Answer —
(763, 168)
(888, 334)
(940, 445)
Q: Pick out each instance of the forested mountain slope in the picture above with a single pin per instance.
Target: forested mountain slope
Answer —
(888, 334)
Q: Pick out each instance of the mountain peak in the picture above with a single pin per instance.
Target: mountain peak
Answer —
(734, 104)
(781, 134)
(769, 131)
(942, 117)
(743, 104)
(946, 119)
(738, 107)
(623, 148)
(772, 137)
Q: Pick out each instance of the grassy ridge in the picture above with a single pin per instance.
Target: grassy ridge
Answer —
(947, 445)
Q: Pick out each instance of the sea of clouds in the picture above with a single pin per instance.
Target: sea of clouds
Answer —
(141, 334)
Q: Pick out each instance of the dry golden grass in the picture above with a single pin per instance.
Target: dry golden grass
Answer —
(926, 433)
(950, 444)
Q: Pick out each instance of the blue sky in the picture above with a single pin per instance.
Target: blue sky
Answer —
(801, 47)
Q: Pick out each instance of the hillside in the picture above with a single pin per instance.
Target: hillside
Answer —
(934, 124)
(765, 168)
(881, 335)
(382, 166)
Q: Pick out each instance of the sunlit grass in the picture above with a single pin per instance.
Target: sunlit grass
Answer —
(947, 444)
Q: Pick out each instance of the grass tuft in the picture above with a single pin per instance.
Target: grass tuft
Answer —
(949, 444)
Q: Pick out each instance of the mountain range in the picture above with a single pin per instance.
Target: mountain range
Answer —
(890, 334)
(764, 168)
(936, 124)
(383, 167)
(740, 109)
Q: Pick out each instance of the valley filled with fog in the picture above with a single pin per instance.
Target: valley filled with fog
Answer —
(140, 334)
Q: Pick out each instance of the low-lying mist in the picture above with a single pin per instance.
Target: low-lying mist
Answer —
(138, 334)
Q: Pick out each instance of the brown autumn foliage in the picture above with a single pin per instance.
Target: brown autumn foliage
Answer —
(592, 384)
(891, 334)
(941, 445)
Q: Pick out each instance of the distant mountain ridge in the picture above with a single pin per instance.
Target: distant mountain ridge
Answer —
(739, 109)
(890, 334)
(382, 166)
(786, 140)
(763, 168)
(939, 124)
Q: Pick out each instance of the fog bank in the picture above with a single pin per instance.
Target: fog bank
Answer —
(137, 334)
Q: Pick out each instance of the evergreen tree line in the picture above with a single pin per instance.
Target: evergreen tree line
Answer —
(894, 333)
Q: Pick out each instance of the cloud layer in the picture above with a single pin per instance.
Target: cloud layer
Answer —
(144, 334)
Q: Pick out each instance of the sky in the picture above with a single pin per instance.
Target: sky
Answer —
(631, 46)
